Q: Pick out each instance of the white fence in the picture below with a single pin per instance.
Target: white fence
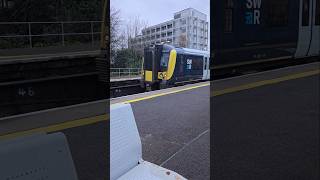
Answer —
(125, 72)
(31, 30)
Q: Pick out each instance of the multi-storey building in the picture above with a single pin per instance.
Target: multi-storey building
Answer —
(189, 29)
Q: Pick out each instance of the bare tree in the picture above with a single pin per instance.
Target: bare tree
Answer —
(115, 32)
(134, 26)
(122, 34)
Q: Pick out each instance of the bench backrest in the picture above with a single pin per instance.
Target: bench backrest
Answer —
(125, 143)
(41, 156)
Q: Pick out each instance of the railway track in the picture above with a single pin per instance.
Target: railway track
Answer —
(123, 88)
(133, 87)
(49, 84)
(33, 86)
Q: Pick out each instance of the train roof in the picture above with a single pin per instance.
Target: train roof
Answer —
(192, 51)
(187, 50)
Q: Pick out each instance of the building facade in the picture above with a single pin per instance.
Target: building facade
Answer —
(188, 28)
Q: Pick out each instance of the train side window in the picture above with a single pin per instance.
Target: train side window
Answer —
(205, 63)
(277, 13)
(228, 16)
(198, 63)
(195, 62)
(317, 12)
(180, 57)
(305, 12)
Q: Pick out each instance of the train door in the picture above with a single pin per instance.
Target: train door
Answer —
(315, 34)
(208, 74)
(181, 67)
(205, 67)
(305, 28)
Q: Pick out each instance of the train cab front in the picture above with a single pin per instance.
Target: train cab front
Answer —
(157, 66)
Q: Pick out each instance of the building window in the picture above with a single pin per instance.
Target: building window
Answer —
(158, 29)
(169, 33)
(153, 30)
(183, 21)
(228, 16)
(277, 12)
(195, 22)
(163, 35)
(318, 12)
(177, 16)
(183, 29)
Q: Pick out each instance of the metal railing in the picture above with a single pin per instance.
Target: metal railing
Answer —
(116, 73)
(61, 30)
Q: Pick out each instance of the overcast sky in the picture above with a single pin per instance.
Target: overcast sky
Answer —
(157, 11)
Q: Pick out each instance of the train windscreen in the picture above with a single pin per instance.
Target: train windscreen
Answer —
(164, 61)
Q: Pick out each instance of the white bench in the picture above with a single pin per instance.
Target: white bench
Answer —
(39, 156)
(126, 161)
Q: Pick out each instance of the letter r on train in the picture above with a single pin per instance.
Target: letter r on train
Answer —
(252, 16)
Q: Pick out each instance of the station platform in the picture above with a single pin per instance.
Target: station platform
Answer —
(174, 128)
(23, 55)
(84, 125)
(43, 56)
(259, 123)
(266, 125)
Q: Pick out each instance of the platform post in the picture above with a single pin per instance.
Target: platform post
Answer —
(92, 38)
(30, 35)
(62, 31)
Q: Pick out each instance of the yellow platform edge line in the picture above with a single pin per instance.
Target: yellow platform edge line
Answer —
(58, 127)
(165, 93)
(264, 83)
(100, 118)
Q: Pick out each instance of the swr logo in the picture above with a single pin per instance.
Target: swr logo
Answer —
(253, 14)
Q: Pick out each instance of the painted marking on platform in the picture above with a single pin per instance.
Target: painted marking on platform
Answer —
(165, 93)
(264, 83)
(59, 127)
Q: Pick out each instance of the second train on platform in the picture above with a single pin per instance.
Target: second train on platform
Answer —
(165, 65)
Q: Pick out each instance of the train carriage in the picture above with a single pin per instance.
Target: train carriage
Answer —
(166, 65)
(245, 31)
